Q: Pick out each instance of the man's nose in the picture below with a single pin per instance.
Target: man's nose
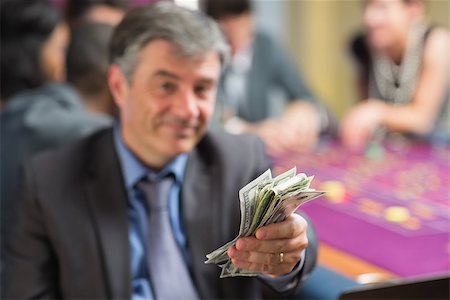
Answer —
(186, 106)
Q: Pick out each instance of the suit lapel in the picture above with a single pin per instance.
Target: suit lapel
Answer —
(200, 208)
(108, 202)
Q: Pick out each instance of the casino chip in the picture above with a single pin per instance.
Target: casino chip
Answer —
(396, 214)
(374, 151)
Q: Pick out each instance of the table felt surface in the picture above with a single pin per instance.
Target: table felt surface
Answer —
(414, 176)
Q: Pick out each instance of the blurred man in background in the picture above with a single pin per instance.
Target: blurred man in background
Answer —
(87, 66)
(262, 91)
(404, 75)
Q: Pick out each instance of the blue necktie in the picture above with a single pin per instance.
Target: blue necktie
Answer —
(168, 270)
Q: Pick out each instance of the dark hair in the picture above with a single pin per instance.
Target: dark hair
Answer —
(424, 2)
(75, 9)
(25, 27)
(218, 9)
(190, 31)
(87, 56)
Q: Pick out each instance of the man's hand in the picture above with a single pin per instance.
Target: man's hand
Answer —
(275, 250)
(360, 123)
(297, 130)
(303, 119)
(277, 135)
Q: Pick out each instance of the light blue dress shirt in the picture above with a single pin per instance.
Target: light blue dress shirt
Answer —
(133, 171)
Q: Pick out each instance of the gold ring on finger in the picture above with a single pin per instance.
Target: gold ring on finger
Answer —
(281, 257)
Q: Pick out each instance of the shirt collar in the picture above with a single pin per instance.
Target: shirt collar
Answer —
(134, 169)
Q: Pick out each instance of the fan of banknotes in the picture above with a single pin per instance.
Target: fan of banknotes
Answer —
(263, 201)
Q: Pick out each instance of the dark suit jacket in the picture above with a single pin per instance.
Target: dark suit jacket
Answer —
(71, 239)
(32, 121)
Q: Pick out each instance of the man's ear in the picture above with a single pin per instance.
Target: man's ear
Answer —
(118, 85)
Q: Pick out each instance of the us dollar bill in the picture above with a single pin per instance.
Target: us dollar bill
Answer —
(263, 201)
(290, 204)
(247, 205)
(247, 199)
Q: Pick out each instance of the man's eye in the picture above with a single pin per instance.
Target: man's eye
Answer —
(168, 87)
(201, 89)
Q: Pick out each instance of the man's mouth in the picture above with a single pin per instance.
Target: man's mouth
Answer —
(182, 129)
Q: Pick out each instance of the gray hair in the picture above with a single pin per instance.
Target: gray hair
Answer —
(192, 32)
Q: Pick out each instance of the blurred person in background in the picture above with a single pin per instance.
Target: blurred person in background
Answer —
(103, 11)
(262, 91)
(88, 63)
(38, 111)
(404, 74)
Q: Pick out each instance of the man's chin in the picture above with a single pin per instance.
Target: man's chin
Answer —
(180, 142)
(181, 145)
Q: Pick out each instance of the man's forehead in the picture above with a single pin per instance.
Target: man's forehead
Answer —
(172, 51)
(164, 55)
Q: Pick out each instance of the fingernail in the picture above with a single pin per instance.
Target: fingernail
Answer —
(240, 245)
(261, 234)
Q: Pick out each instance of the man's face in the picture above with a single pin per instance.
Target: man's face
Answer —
(238, 30)
(166, 108)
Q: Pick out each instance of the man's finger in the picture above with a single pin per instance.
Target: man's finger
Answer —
(293, 226)
(272, 246)
(276, 270)
(265, 258)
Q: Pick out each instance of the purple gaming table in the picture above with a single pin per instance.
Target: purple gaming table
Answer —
(415, 178)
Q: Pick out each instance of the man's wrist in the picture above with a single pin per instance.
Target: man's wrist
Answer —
(288, 281)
